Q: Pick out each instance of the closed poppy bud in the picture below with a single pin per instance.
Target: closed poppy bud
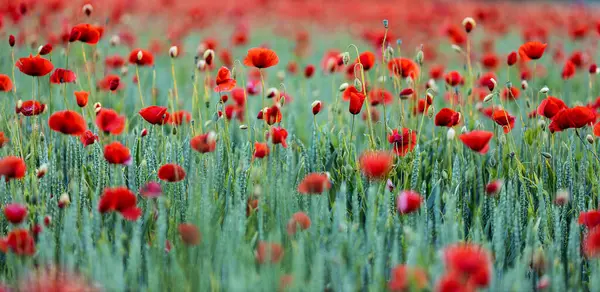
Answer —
(114, 84)
(469, 24)
(11, 40)
(457, 48)
(451, 134)
(81, 98)
(144, 132)
(41, 171)
(594, 69)
(590, 139)
(493, 188)
(64, 200)
(88, 9)
(316, 107)
(272, 92)
(343, 86)
(488, 97)
(45, 49)
(309, 71)
(201, 65)
(243, 127)
(173, 52)
(97, 107)
(115, 40)
(524, 85)
(544, 90)
(346, 58)
(562, 198)
(512, 59)
(208, 56)
(47, 220)
(406, 93)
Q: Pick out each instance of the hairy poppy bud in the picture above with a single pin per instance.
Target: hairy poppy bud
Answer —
(389, 53)
(115, 40)
(406, 93)
(124, 71)
(243, 127)
(419, 58)
(346, 58)
(11, 40)
(488, 97)
(457, 48)
(272, 92)
(469, 24)
(343, 86)
(316, 107)
(88, 9)
(590, 139)
(173, 52)
(524, 85)
(544, 90)
(208, 56)
(41, 171)
(451, 134)
(358, 85)
(493, 84)
(45, 49)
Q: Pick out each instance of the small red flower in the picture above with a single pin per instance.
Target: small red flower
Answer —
(376, 164)
(62, 76)
(111, 82)
(490, 61)
(447, 118)
(316, 107)
(510, 94)
(380, 96)
(404, 67)
(591, 243)
(268, 252)
(403, 142)
(67, 122)
(30, 108)
(147, 59)
(3, 140)
(12, 167)
(204, 143)
(5, 83)
(189, 233)
(81, 97)
(116, 153)
(86, 33)
(532, 50)
(511, 59)
(180, 117)
(309, 71)
(261, 58)
(576, 117)
(156, 115)
(15, 213)
(109, 121)
(120, 200)
(404, 279)
(88, 138)
(568, 70)
(261, 150)
(34, 66)
(224, 80)
(314, 183)
(453, 78)
(114, 62)
(493, 188)
(367, 60)
(171, 172)
(272, 115)
(590, 218)
(299, 219)
(19, 241)
(279, 136)
(550, 106)
(477, 140)
(504, 119)
(151, 190)
(45, 49)
(470, 261)
(357, 99)
(408, 202)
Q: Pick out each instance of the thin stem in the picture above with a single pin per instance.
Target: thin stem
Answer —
(137, 75)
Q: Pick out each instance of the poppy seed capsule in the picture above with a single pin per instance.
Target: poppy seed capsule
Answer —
(544, 90)
(469, 24)
(590, 139)
(173, 52)
(88, 9)
(385, 23)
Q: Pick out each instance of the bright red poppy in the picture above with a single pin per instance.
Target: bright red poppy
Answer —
(15, 213)
(19, 241)
(151, 190)
(156, 115)
(404, 67)
(486, 80)
(590, 218)
(272, 115)
(309, 71)
(453, 78)
(239, 96)
(510, 93)
(261, 150)
(30, 108)
(367, 60)
(171, 172)
(314, 183)
(532, 50)
(5, 83)
(88, 138)
(62, 76)
(408, 202)
(490, 61)
(12, 167)
(111, 82)
(376, 164)
(117, 153)
(356, 98)
(109, 121)
(568, 70)
(268, 252)
(34, 66)
(504, 119)
(204, 143)
(114, 62)
(447, 118)
(404, 141)
(86, 33)
(493, 188)
(67, 122)
(299, 219)
(81, 97)
(380, 96)
(477, 140)
(261, 58)
(180, 117)
(279, 136)
(471, 262)
(120, 200)
(404, 278)
(141, 57)
(3, 140)
(511, 59)
(576, 117)
(224, 80)
(550, 106)
(189, 234)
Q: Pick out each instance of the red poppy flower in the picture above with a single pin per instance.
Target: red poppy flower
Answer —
(204, 143)
(532, 50)
(309, 71)
(88, 138)
(81, 97)
(114, 62)
(576, 117)
(404, 67)
(3, 140)
(378, 96)
(493, 188)
(447, 118)
(268, 252)
(278, 136)
(314, 183)
(151, 190)
(299, 219)
(116, 153)
(332, 61)
(486, 80)
(30, 108)
(180, 117)
(261, 58)
(403, 142)
(67, 122)
(367, 60)
(12, 167)
(453, 78)
(408, 202)
(261, 150)
(156, 115)
(568, 70)
(234, 111)
(550, 106)
(510, 94)
(109, 121)
(62, 76)
(504, 119)
(590, 218)
(511, 59)
(436, 72)
(578, 59)
(356, 98)
(34, 66)
(404, 278)
(597, 129)
(591, 243)
(147, 59)
(470, 261)
(19, 241)
(456, 34)
(477, 140)
(171, 172)
(111, 82)
(5, 83)
(272, 115)
(224, 80)
(120, 200)
(86, 33)
(15, 213)
(376, 164)
(189, 233)
(490, 61)
(239, 96)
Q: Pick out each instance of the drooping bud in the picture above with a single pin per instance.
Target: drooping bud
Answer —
(272, 92)
(209, 56)
(174, 52)
(451, 134)
(41, 171)
(144, 132)
(281, 75)
(97, 107)
(201, 65)
(419, 58)
(406, 93)
(546, 155)
(316, 107)
(343, 86)
(544, 90)
(469, 24)
(45, 49)
(124, 71)
(346, 58)
(88, 9)
(524, 85)
(358, 85)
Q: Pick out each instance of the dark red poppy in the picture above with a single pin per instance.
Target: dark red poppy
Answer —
(86, 33)
(279, 136)
(477, 140)
(356, 98)
(5, 83)
(111, 82)
(309, 71)
(67, 122)
(486, 80)
(332, 61)
(120, 200)
(81, 97)
(380, 96)
(204, 143)
(493, 188)
(550, 106)
(403, 142)
(189, 233)
(511, 59)
(590, 218)
(404, 278)
(591, 243)
(15, 213)
(314, 183)
(88, 138)
(151, 190)
(261, 150)
(597, 129)
(34, 66)
(376, 164)
(453, 78)
(532, 50)
(116, 153)
(504, 119)
(109, 121)
(30, 108)
(261, 58)
(62, 76)
(447, 118)
(268, 252)
(11, 40)
(171, 172)
(316, 107)
(45, 49)
(576, 117)
(436, 72)
(299, 219)
(19, 241)
(470, 262)
(408, 202)
(404, 67)
(180, 117)
(156, 115)
(224, 80)
(141, 57)
(272, 115)
(12, 167)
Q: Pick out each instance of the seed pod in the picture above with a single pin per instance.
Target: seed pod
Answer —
(385, 23)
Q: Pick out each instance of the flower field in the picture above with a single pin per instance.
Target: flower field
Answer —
(299, 145)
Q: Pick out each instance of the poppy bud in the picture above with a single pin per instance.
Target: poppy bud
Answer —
(469, 24)
(562, 198)
(41, 171)
(115, 40)
(451, 134)
(88, 9)
(272, 92)
(430, 111)
(74, 36)
(511, 59)
(144, 132)
(19, 104)
(45, 49)
(488, 97)
(594, 69)
(358, 85)
(541, 123)
(385, 23)
(201, 65)
(457, 48)
(173, 52)
(114, 84)
(389, 53)
(546, 155)
(524, 85)
(463, 130)
(243, 127)
(590, 139)
(140, 55)
(316, 107)
(406, 93)
(419, 58)
(97, 107)
(64, 200)
(309, 71)
(11, 40)
(390, 185)
(281, 75)
(208, 56)
(124, 71)
(343, 86)
(544, 90)
(174, 130)
(492, 84)
(346, 58)
(47, 220)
